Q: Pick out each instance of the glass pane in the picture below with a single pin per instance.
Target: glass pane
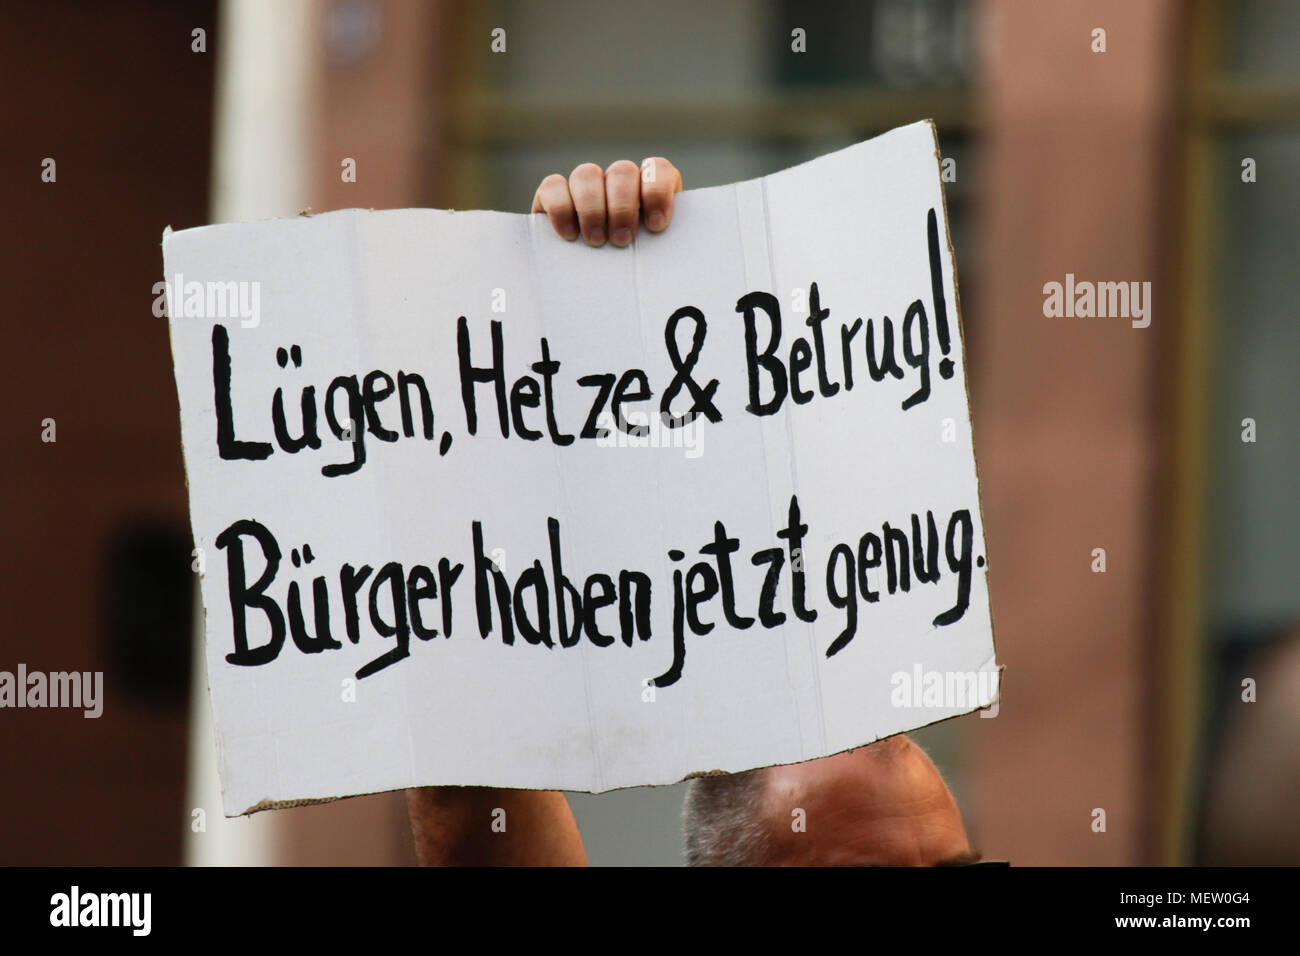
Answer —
(890, 43)
(1255, 518)
(1262, 40)
(669, 48)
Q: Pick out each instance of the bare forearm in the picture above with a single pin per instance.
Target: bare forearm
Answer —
(482, 826)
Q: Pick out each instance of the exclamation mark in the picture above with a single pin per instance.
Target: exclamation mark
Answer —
(936, 290)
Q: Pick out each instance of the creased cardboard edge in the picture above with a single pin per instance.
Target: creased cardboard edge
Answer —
(311, 801)
(194, 540)
(970, 419)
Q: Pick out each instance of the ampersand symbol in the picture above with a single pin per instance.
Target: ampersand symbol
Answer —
(701, 398)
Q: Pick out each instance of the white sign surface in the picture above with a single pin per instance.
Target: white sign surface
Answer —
(479, 506)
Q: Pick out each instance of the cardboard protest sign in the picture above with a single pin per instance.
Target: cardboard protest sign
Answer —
(480, 506)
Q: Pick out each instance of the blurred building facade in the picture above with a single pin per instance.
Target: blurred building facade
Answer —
(1122, 688)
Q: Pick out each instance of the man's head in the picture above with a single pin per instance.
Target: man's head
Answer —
(881, 805)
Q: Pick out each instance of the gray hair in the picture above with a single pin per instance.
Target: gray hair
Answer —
(722, 820)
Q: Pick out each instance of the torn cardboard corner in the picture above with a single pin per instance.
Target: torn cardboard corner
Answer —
(479, 506)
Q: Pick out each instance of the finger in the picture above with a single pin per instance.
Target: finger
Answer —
(587, 186)
(660, 180)
(552, 197)
(623, 201)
